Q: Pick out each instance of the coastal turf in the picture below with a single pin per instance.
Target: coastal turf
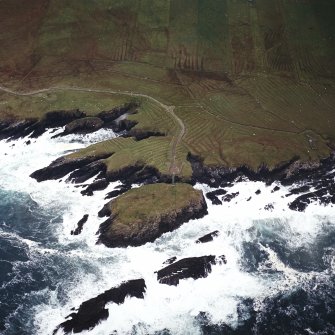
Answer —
(143, 214)
(151, 201)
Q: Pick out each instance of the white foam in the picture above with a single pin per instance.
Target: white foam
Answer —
(163, 306)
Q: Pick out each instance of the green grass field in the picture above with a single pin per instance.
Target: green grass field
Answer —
(253, 82)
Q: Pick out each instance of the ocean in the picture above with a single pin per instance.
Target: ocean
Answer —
(279, 276)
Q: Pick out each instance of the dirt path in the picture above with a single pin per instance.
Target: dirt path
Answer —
(174, 169)
(169, 109)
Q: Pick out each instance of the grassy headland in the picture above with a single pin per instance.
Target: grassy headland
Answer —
(142, 214)
(233, 82)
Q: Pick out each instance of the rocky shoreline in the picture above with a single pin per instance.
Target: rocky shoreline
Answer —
(92, 311)
(299, 175)
(134, 217)
(75, 121)
(309, 181)
(302, 177)
(192, 267)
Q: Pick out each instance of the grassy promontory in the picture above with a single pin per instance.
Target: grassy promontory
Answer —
(143, 214)
(233, 83)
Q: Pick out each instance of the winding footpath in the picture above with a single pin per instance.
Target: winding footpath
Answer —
(173, 169)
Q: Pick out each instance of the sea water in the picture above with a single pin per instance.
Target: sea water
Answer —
(279, 271)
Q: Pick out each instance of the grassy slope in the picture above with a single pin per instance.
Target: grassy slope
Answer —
(253, 82)
(154, 151)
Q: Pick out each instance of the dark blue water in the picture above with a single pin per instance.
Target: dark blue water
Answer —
(32, 262)
(35, 268)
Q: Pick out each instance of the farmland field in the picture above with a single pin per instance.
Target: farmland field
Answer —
(252, 81)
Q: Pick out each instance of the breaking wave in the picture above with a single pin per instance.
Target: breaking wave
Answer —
(279, 276)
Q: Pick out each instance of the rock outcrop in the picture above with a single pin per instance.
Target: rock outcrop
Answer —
(54, 119)
(300, 176)
(145, 213)
(88, 171)
(230, 196)
(312, 184)
(74, 120)
(80, 225)
(193, 267)
(213, 196)
(93, 310)
(83, 126)
(208, 237)
(16, 129)
(123, 125)
(139, 134)
(97, 185)
(115, 113)
(62, 166)
(118, 191)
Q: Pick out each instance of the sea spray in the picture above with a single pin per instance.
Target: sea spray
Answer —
(66, 270)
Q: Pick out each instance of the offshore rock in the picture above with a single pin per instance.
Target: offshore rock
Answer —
(230, 196)
(298, 190)
(275, 189)
(324, 196)
(208, 237)
(213, 196)
(193, 267)
(93, 310)
(74, 120)
(143, 214)
(80, 225)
